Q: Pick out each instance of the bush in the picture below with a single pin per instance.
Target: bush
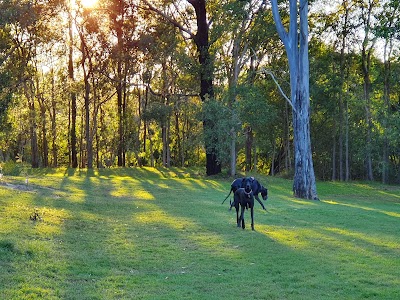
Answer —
(12, 168)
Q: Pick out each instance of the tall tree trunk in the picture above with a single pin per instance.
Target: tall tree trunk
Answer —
(73, 139)
(296, 45)
(29, 94)
(53, 113)
(347, 153)
(33, 135)
(88, 136)
(45, 144)
(118, 21)
(342, 67)
(334, 159)
(386, 96)
(201, 40)
(366, 60)
(249, 147)
(366, 52)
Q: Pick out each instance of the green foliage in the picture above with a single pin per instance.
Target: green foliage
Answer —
(136, 234)
(153, 57)
(158, 112)
(13, 168)
(255, 108)
(222, 124)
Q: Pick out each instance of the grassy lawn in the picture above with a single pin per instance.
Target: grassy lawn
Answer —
(163, 234)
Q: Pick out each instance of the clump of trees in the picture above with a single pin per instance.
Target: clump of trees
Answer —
(194, 82)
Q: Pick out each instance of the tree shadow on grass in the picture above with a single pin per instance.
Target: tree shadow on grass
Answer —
(184, 244)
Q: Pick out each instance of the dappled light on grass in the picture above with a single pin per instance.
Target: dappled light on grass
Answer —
(385, 193)
(134, 193)
(302, 202)
(196, 237)
(290, 237)
(156, 216)
(366, 208)
(48, 221)
(386, 242)
(101, 238)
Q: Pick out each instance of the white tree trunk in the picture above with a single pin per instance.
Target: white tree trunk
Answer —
(296, 45)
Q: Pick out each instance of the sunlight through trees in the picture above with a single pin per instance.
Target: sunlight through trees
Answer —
(199, 83)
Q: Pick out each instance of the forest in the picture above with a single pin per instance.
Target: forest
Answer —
(95, 84)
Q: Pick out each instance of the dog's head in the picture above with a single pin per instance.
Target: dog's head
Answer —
(247, 183)
(264, 193)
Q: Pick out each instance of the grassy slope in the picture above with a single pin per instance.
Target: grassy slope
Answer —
(163, 234)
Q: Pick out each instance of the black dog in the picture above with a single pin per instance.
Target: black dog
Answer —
(255, 186)
(245, 200)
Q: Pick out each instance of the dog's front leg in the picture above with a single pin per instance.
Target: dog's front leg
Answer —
(242, 216)
(237, 216)
(259, 201)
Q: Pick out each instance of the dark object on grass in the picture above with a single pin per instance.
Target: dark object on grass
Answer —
(245, 200)
(255, 186)
(35, 216)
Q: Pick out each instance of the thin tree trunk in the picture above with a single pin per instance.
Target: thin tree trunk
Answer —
(334, 159)
(29, 94)
(344, 34)
(386, 97)
(249, 147)
(88, 136)
(272, 171)
(45, 144)
(53, 113)
(347, 154)
(73, 139)
(366, 53)
(33, 135)
(120, 110)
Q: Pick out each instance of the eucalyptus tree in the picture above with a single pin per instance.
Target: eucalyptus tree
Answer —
(389, 30)
(368, 17)
(338, 26)
(236, 50)
(295, 40)
(121, 40)
(72, 136)
(94, 70)
(180, 14)
(29, 29)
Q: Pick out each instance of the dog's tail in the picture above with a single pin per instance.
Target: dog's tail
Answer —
(227, 196)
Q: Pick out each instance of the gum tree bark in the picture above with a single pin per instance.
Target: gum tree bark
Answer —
(295, 41)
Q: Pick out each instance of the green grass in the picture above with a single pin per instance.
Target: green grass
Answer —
(163, 234)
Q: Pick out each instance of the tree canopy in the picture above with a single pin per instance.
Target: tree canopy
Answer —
(199, 83)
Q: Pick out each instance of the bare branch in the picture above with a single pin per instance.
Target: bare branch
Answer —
(269, 72)
(169, 19)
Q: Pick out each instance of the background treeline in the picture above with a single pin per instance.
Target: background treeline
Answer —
(119, 85)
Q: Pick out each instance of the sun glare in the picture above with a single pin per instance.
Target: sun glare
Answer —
(88, 3)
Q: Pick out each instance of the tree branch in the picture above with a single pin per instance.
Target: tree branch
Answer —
(268, 72)
(169, 19)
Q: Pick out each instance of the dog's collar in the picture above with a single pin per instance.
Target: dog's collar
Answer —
(248, 195)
